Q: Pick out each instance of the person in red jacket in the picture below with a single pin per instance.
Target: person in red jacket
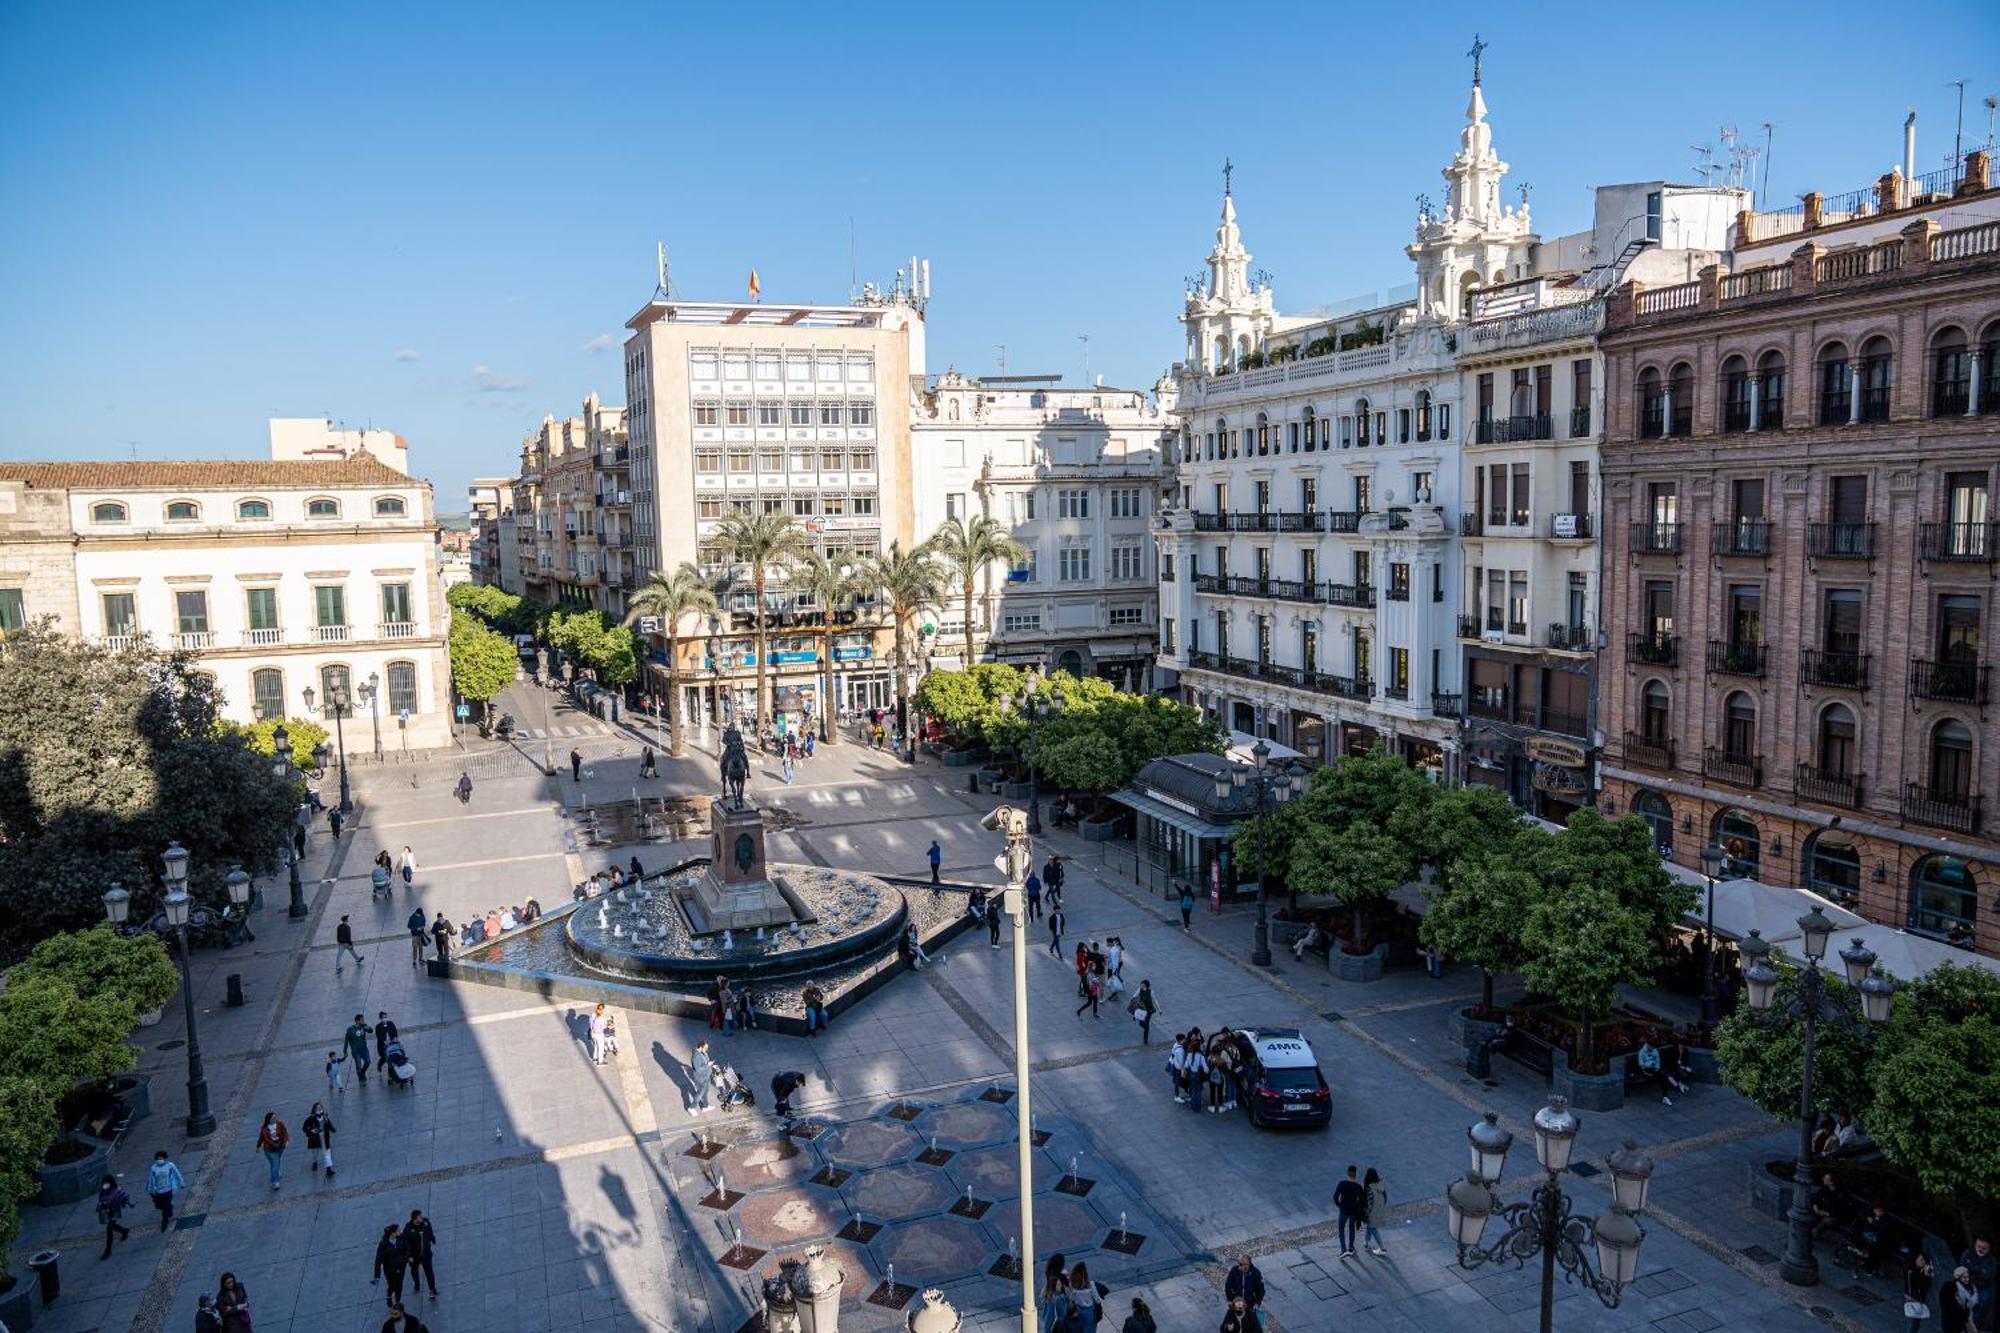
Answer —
(272, 1138)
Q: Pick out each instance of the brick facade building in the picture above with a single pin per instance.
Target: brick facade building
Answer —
(1800, 562)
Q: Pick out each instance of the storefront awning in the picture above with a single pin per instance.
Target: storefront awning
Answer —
(1167, 814)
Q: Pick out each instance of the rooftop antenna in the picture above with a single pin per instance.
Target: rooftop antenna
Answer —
(1706, 169)
(1958, 134)
(665, 274)
(1766, 191)
(853, 273)
(1003, 357)
(1992, 105)
(1084, 338)
(1727, 134)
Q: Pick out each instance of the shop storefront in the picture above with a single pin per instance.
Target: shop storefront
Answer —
(1182, 828)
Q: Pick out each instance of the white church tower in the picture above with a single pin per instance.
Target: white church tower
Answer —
(1233, 316)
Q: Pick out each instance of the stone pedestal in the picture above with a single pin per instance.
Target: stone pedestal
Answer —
(736, 893)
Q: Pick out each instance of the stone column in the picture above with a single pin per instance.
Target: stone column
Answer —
(1973, 386)
(1756, 400)
(1854, 365)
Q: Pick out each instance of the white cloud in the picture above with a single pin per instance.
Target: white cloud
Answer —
(487, 380)
(408, 354)
(603, 342)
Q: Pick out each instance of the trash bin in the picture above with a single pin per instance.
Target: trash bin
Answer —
(43, 1264)
(235, 997)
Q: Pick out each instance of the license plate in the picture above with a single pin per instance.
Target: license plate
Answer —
(1297, 1106)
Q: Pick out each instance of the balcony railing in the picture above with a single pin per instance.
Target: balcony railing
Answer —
(1654, 649)
(1351, 594)
(1571, 527)
(118, 643)
(1650, 751)
(1840, 541)
(1744, 770)
(1656, 539)
(1743, 536)
(1875, 403)
(1400, 693)
(263, 638)
(1470, 524)
(1513, 430)
(1735, 416)
(331, 633)
(1208, 522)
(1841, 671)
(1307, 521)
(1468, 627)
(1242, 585)
(398, 629)
(1518, 628)
(1567, 638)
(1957, 811)
(1447, 705)
(1949, 681)
(1344, 520)
(1305, 678)
(1564, 721)
(1579, 422)
(1735, 659)
(1973, 543)
(1488, 703)
(1842, 789)
(1950, 398)
(1397, 592)
(196, 640)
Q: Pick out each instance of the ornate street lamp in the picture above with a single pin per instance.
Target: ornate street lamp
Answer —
(117, 904)
(1712, 859)
(1035, 707)
(1273, 787)
(370, 691)
(336, 703)
(281, 767)
(1810, 1005)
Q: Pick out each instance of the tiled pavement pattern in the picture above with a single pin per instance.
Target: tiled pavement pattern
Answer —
(563, 1197)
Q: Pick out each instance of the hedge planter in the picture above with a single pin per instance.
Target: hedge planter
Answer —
(962, 758)
(17, 1306)
(1358, 966)
(1098, 830)
(71, 1181)
(135, 1090)
(1017, 791)
(1476, 1037)
(1770, 1193)
(1701, 1062)
(1588, 1092)
(152, 1017)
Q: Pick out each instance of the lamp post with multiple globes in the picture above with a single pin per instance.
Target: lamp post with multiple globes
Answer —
(1274, 787)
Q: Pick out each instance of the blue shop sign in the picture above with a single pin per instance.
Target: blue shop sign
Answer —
(852, 654)
(787, 659)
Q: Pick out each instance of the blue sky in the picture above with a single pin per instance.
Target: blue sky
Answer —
(427, 216)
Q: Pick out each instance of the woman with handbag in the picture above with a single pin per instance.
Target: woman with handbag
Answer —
(232, 1302)
(1142, 1010)
(1917, 1290)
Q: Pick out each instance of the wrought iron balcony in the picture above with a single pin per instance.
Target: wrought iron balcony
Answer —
(1306, 521)
(1840, 541)
(1344, 520)
(1551, 718)
(1512, 430)
(1579, 422)
(1742, 536)
(1744, 770)
(1244, 585)
(1470, 524)
(1209, 522)
(1565, 638)
(1735, 659)
(1360, 595)
(1957, 811)
(1654, 649)
(1489, 703)
(1401, 693)
(1468, 627)
(1842, 789)
(1447, 705)
(1949, 680)
(1397, 592)
(1653, 752)
(1842, 671)
(1571, 527)
(1972, 543)
(1656, 538)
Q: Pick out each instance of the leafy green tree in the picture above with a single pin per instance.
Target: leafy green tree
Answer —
(967, 546)
(834, 588)
(1474, 914)
(27, 1128)
(1090, 762)
(105, 758)
(1763, 1055)
(99, 961)
(1464, 823)
(482, 663)
(953, 698)
(1360, 864)
(673, 598)
(907, 582)
(306, 735)
(57, 1038)
(1579, 942)
(1936, 1081)
(1374, 790)
(1621, 856)
(762, 544)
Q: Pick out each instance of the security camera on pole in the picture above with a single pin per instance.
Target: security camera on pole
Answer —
(1015, 863)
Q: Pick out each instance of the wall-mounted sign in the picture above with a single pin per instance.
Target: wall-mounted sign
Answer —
(852, 654)
(1552, 751)
(1558, 780)
(788, 659)
(1175, 801)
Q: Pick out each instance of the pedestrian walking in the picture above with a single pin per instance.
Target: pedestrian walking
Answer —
(343, 946)
(1082, 965)
(402, 1321)
(1350, 1200)
(299, 841)
(420, 931)
(576, 765)
(163, 1177)
(1374, 1212)
(596, 1033)
(993, 923)
(647, 766)
(385, 1032)
(318, 1127)
(336, 1072)
(112, 1201)
(1032, 887)
(391, 1259)
(232, 1302)
(1093, 990)
(1240, 1318)
(378, 877)
(936, 855)
(1187, 909)
(701, 1070)
(1245, 1283)
(1917, 1280)
(464, 788)
(1984, 1266)
(272, 1139)
(206, 1320)
(333, 820)
(357, 1048)
(786, 769)
(1140, 1320)
(1054, 877)
(1056, 924)
(420, 1242)
(1143, 1011)
(441, 933)
(1087, 1295)
(408, 861)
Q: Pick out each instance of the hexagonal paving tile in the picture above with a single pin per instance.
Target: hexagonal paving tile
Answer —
(967, 1125)
(785, 1219)
(897, 1192)
(759, 1162)
(866, 1143)
(930, 1252)
(992, 1172)
(1061, 1222)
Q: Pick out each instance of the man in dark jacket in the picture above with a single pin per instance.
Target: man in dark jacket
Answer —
(391, 1258)
(1351, 1201)
(442, 932)
(385, 1032)
(1984, 1265)
(1246, 1281)
(782, 1088)
(402, 1321)
(343, 946)
(420, 930)
(357, 1047)
(576, 765)
(420, 1240)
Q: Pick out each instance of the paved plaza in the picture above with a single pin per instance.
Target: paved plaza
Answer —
(573, 1196)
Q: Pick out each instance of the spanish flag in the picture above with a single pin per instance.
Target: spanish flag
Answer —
(756, 287)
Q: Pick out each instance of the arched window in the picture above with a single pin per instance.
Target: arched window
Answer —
(1423, 414)
(1833, 868)
(1878, 364)
(1680, 399)
(323, 508)
(1652, 405)
(1989, 364)
(1311, 428)
(1468, 288)
(1221, 353)
(1361, 421)
(1837, 758)
(1736, 390)
(253, 509)
(335, 683)
(1659, 816)
(109, 511)
(183, 511)
(1655, 713)
(402, 687)
(267, 693)
(1836, 381)
(1739, 728)
(1771, 374)
(1951, 374)
(390, 506)
(1737, 836)
(1944, 898)
(1263, 434)
(1951, 761)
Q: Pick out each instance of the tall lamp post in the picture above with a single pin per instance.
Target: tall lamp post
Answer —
(1712, 858)
(1035, 707)
(1016, 863)
(117, 904)
(542, 670)
(1543, 1224)
(336, 703)
(281, 767)
(1810, 1005)
(1273, 787)
(370, 691)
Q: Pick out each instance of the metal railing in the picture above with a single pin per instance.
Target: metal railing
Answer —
(1653, 752)
(1570, 526)
(1973, 543)
(1743, 536)
(1950, 397)
(1735, 416)
(1208, 522)
(1744, 770)
(1468, 627)
(1813, 784)
(1561, 720)
(1470, 524)
(1837, 670)
(1656, 538)
(1310, 520)
(1400, 693)
(1489, 703)
(1447, 705)
(1735, 659)
(1949, 680)
(1513, 430)
(1654, 649)
(1351, 594)
(1344, 520)
(1579, 422)
(1840, 541)
(1875, 403)
(1397, 592)
(1958, 811)
(1566, 638)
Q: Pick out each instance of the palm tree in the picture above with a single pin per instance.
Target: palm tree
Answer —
(907, 582)
(967, 546)
(672, 597)
(832, 588)
(760, 543)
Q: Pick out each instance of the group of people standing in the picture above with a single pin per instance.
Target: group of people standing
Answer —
(1211, 1065)
(1100, 974)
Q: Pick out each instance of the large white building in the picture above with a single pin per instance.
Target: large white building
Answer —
(1078, 476)
(282, 576)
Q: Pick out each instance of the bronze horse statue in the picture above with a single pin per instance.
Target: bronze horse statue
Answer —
(735, 766)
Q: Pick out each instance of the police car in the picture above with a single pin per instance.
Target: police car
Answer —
(1282, 1082)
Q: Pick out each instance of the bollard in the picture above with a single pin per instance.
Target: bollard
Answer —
(972, 782)
(235, 997)
(43, 1264)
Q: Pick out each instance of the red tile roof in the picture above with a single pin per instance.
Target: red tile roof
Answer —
(362, 469)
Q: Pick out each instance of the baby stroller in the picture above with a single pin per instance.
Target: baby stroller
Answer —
(729, 1089)
(402, 1074)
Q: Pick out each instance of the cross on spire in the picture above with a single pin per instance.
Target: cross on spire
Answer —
(1228, 170)
(1477, 53)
